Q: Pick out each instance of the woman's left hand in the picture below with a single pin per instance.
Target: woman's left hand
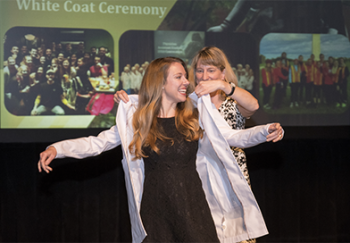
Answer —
(207, 87)
(276, 133)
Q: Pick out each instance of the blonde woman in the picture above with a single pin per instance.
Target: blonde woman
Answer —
(179, 190)
(213, 74)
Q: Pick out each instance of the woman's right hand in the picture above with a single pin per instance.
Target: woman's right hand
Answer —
(121, 95)
(45, 159)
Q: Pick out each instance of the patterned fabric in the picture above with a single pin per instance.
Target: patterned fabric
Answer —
(236, 120)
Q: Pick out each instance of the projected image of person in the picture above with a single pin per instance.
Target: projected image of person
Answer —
(98, 69)
(21, 90)
(312, 58)
(294, 82)
(303, 77)
(42, 62)
(241, 75)
(14, 54)
(80, 50)
(105, 60)
(84, 88)
(48, 56)
(69, 82)
(40, 52)
(56, 49)
(310, 76)
(88, 61)
(267, 83)
(68, 50)
(175, 194)
(136, 79)
(93, 52)
(60, 58)
(11, 85)
(37, 77)
(73, 60)
(50, 97)
(127, 80)
(10, 71)
(328, 87)
(279, 75)
(318, 82)
(262, 17)
(28, 61)
(23, 52)
(343, 83)
(54, 65)
(249, 80)
(285, 63)
(330, 61)
(35, 57)
(335, 77)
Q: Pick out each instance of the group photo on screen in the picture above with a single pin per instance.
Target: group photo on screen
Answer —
(304, 73)
(54, 71)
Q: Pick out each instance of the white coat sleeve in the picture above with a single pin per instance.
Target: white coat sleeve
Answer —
(212, 119)
(88, 146)
(247, 137)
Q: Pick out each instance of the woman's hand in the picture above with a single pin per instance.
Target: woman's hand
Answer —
(121, 95)
(207, 87)
(45, 159)
(276, 133)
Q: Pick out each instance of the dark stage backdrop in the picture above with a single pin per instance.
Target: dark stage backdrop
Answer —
(302, 187)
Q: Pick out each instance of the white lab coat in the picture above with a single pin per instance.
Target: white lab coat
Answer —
(234, 209)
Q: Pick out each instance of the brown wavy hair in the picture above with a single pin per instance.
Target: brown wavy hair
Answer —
(145, 125)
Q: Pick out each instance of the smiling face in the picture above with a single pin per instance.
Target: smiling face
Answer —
(14, 50)
(42, 59)
(50, 76)
(24, 70)
(208, 72)
(11, 62)
(65, 64)
(102, 51)
(80, 62)
(33, 52)
(60, 57)
(97, 60)
(175, 87)
(40, 71)
(28, 60)
(73, 57)
(48, 52)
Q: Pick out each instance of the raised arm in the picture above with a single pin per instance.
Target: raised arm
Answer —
(247, 103)
(79, 148)
(252, 136)
(244, 138)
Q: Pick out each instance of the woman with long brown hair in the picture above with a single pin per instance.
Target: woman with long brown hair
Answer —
(181, 184)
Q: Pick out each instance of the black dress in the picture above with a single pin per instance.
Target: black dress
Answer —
(173, 207)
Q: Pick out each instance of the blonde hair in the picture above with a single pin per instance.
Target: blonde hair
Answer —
(145, 125)
(211, 55)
